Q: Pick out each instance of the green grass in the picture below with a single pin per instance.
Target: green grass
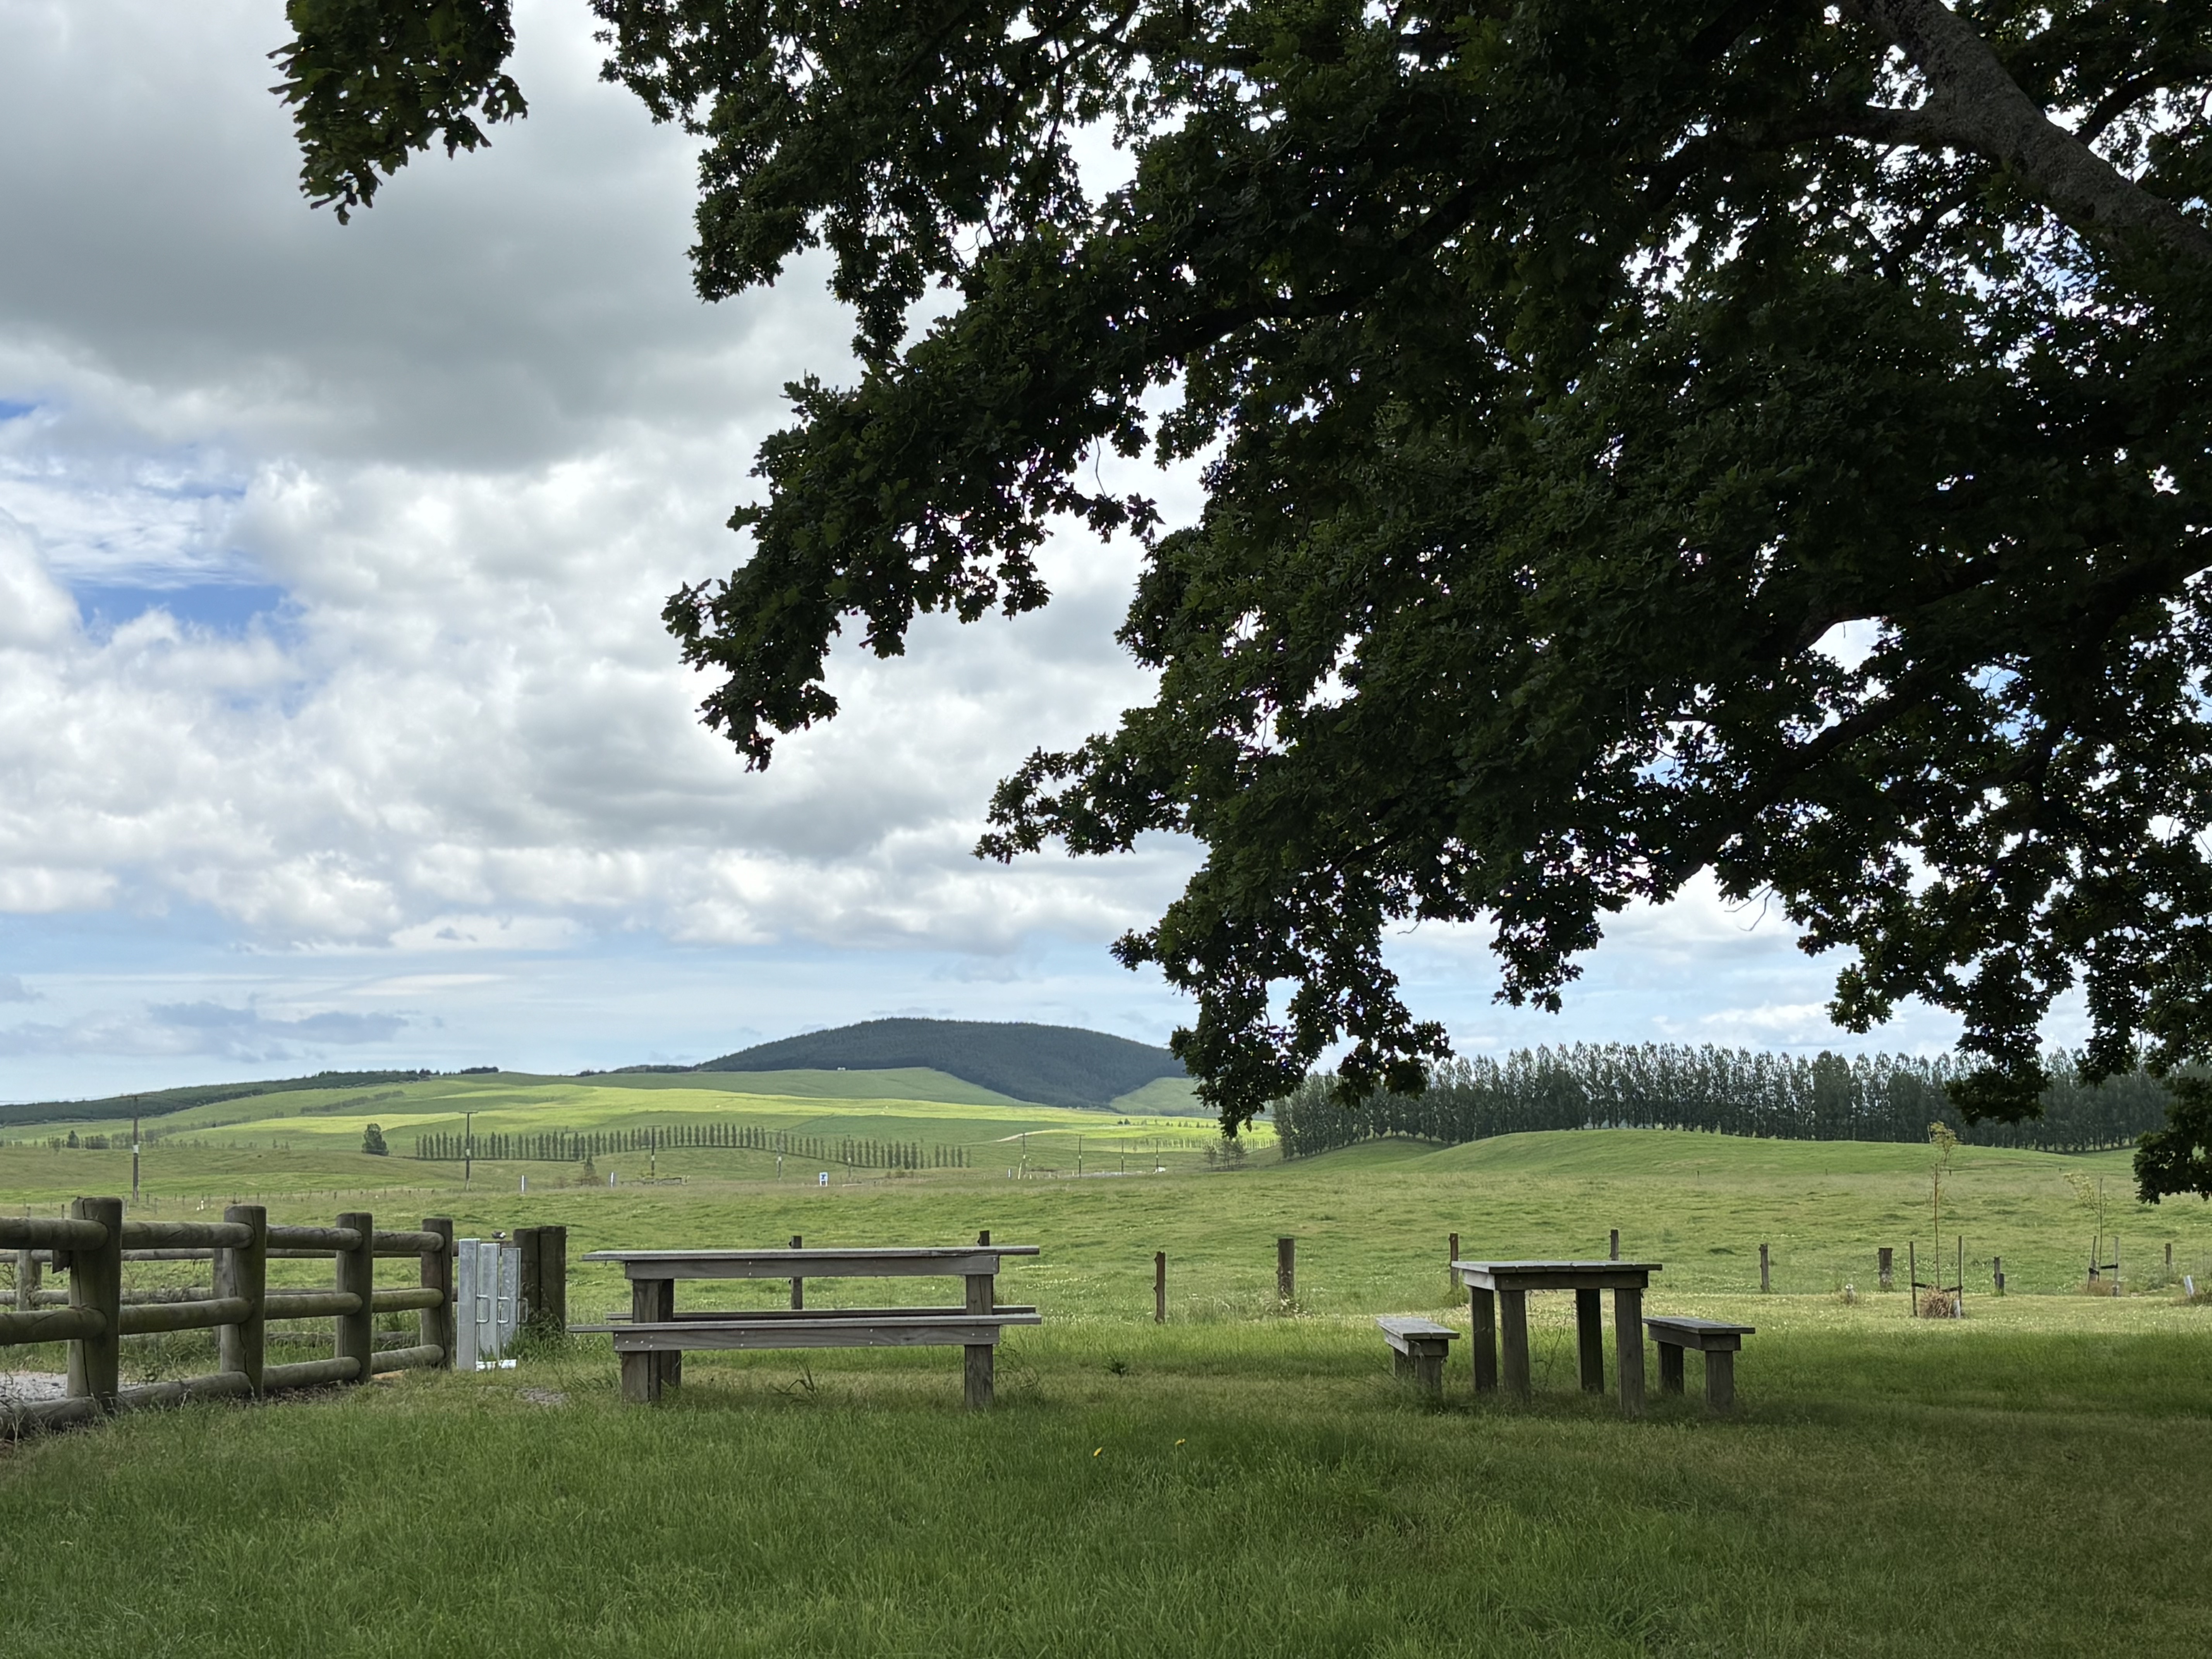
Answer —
(2028, 1480)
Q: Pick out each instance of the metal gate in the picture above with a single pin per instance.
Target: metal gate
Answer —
(487, 1302)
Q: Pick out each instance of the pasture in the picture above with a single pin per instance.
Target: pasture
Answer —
(1244, 1479)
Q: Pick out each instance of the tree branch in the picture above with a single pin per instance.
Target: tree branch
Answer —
(1974, 105)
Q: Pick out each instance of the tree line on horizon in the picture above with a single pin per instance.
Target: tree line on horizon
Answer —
(568, 1146)
(1654, 1085)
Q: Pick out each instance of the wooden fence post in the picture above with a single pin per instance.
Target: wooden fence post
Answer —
(27, 1275)
(1159, 1287)
(1997, 1273)
(798, 1285)
(553, 1280)
(242, 1270)
(435, 1327)
(528, 1265)
(1286, 1270)
(1912, 1273)
(355, 1336)
(1451, 1252)
(1613, 1245)
(1885, 1266)
(1765, 1283)
(96, 1282)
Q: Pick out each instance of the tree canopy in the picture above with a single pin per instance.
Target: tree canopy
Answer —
(1766, 439)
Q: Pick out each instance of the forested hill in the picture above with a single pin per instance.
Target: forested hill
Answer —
(1052, 1064)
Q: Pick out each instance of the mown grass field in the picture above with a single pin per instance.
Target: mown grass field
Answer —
(1242, 1480)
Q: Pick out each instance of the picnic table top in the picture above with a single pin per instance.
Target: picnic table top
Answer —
(1556, 1275)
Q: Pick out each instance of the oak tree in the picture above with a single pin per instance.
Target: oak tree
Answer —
(1769, 439)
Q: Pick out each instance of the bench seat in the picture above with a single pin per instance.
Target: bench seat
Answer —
(1419, 1348)
(1717, 1339)
(863, 1328)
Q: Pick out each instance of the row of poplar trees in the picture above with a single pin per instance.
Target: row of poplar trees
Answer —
(1739, 1091)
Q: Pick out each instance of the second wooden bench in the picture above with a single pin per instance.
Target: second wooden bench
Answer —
(651, 1345)
(1718, 1339)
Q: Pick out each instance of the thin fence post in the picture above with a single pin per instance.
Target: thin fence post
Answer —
(1885, 1266)
(1159, 1287)
(435, 1328)
(1286, 1270)
(798, 1285)
(28, 1274)
(96, 1283)
(242, 1270)
(1451, 1252)
(1912, 1273)
(1766, 1282)
(1613, 1245)
(1997, 1273)
(355, 1334)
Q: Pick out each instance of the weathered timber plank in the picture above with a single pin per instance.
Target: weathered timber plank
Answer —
(753, 1315)
(69, 1324)
(354, 1334)
(402, 1299)
(1628, 1346)
(96, 1283)
(39, 1233)
(435, 1327)
(182, 1235)
(217, 1385)
(310, 1304)
(1590, 1341)
(244, 1272)
(405, 1244)
(311, 1373)
(317, 1240)
(146, 1318)
(844, 1334)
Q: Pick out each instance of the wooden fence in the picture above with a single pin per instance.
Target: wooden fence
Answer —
(92, 1244)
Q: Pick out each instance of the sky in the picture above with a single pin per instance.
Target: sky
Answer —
(337, 725)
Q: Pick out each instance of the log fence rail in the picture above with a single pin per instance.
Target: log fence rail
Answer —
(93, 1315)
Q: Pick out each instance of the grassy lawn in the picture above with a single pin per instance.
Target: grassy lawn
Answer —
(2030, 1480)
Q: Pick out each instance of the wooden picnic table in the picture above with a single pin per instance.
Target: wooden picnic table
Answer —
(651, 1343)
(1498, 1297)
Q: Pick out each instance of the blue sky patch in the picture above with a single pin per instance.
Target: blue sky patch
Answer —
(224, 607)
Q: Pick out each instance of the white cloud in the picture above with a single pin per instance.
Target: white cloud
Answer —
(457, 455)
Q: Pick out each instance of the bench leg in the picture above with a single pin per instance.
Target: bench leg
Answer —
(1670, 1368)
(1589, 1339)
(1429, 1372)
(1482, 1310)
(1720, 1381)
(1513, 1322)
(1401, 1365)
(652, 1301)
(1628, 1349)
(979, 1377)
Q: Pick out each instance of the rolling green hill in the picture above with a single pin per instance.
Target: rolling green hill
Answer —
(160, 1103)
(1053, 1065)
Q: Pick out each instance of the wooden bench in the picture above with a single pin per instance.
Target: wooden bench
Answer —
(652, 1343)
(1716, 1339)
(1418, 1348)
